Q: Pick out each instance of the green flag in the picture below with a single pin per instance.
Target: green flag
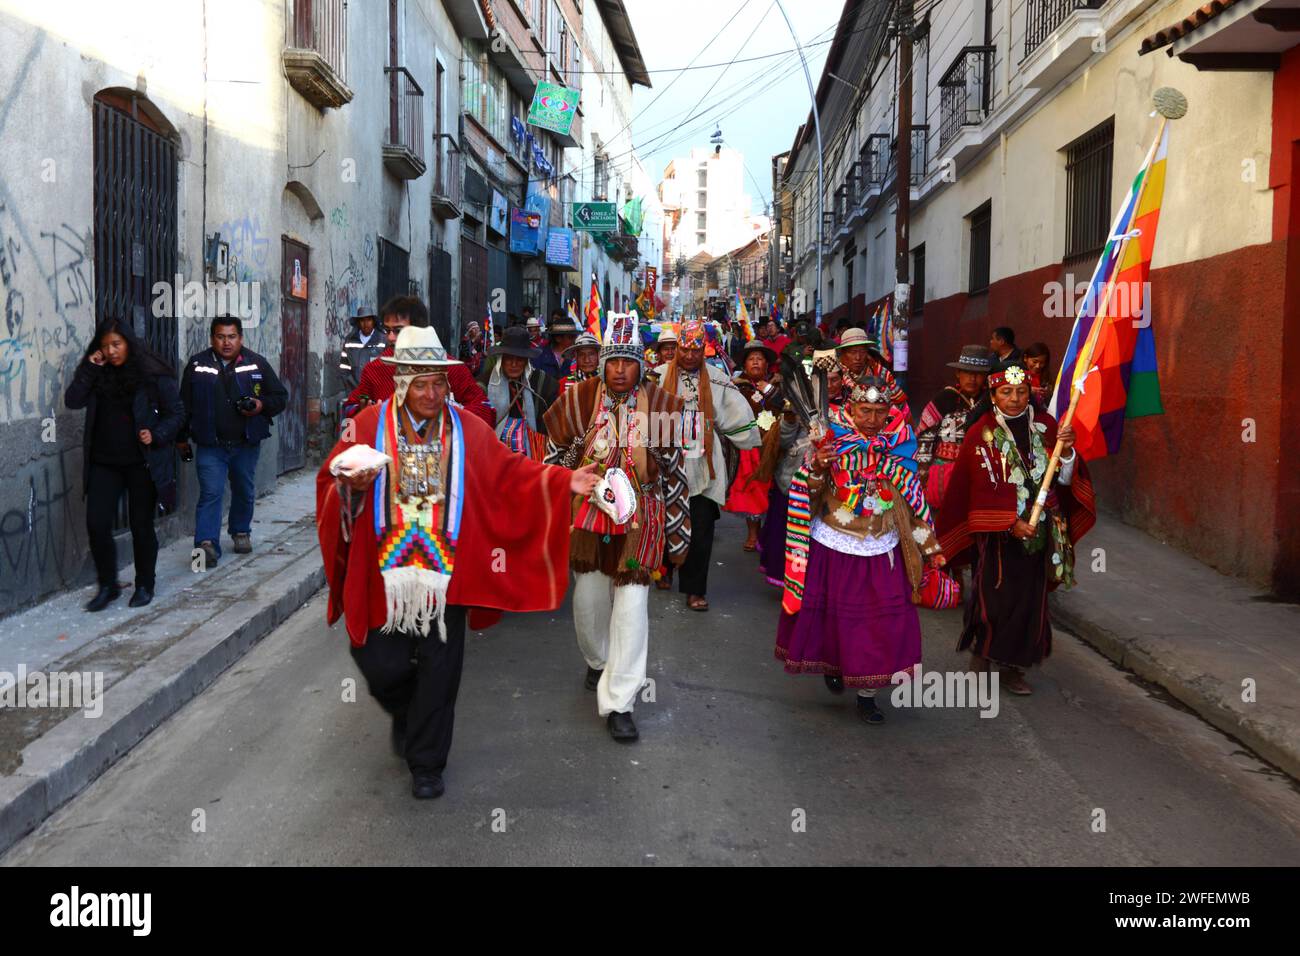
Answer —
(632, 217)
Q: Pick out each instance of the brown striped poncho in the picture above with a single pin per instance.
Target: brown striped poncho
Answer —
(663, 509)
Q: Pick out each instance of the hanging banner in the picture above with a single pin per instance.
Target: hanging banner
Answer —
(559, 248)
(541, 204)
(524, 229)
(553, 107)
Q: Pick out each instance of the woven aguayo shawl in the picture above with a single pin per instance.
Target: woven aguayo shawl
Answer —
(417, 534)
(886, 459)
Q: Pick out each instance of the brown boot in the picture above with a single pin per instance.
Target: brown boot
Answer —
(1013, 679)
(978, 664)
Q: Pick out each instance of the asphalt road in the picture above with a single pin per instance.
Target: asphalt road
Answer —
(738, 763)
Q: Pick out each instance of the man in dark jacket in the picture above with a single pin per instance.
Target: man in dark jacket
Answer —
(230, 395)
(561, 334)
(364, 343)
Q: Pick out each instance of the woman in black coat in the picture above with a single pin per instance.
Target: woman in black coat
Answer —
(133, 412)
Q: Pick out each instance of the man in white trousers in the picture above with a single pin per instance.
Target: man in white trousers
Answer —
(632, 431)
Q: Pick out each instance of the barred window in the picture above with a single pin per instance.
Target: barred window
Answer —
(1088, 167)
(981, 237)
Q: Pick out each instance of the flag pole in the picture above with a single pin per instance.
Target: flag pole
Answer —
(1171, 105)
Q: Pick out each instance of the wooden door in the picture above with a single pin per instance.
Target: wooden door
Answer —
(292, 422)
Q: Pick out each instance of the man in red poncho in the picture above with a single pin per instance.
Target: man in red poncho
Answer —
(985, 521)
(415, 540)
(377, 378)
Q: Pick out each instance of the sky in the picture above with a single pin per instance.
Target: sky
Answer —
(764, 101)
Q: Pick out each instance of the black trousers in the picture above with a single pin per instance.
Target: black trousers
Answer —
(106, 485)
(416, 679)
(694, 575)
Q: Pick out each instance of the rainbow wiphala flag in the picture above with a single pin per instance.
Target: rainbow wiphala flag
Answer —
(1119, 378)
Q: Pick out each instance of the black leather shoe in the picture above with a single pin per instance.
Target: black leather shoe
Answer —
(141, 597)
(426, 786)
(622, 727)
(834, 684)
(106, 595)
(397, 737)
(210, 556)
(593, 678)
(869, 712)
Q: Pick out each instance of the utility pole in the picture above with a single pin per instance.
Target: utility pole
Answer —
(903, 192)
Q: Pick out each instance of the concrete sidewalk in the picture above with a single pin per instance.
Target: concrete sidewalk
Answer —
(1204, 637)
(152, 659)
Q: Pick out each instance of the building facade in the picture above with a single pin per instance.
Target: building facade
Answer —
(1028, 120)
(612, 172)
(287, 162)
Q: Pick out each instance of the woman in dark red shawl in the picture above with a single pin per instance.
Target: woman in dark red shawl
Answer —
(984, 521)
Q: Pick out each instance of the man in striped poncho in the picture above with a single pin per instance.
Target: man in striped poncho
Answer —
(716, 412)
(631, 431)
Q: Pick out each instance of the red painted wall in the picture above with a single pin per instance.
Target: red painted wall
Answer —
(1186, 476)
(1283, 171)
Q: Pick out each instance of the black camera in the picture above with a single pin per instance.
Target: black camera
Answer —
(246, 404)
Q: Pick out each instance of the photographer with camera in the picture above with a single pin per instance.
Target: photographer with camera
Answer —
(230, 394)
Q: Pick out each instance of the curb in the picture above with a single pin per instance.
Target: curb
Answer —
(1203, 693)
(66, 759)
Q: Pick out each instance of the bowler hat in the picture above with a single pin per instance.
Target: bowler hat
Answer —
(973, 358)
(756, 345)
(515, 341)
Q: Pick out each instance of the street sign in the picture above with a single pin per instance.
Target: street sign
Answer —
(553, 107)
(595, 217)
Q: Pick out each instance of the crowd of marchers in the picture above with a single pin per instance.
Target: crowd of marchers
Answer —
(856, 512)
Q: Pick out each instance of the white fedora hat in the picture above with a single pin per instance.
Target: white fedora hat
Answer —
(419, 348)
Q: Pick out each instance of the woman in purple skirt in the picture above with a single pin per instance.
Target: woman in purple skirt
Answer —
(859, 532)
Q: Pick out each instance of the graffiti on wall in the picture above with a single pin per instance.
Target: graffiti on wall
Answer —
(47, 287)
(342, 299)
(42, 536)
(250, 261)
(48, 291)
(247, 242)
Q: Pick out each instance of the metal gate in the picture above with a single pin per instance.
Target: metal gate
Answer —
(292, 422)
(473, 282)
(134, 221)
(394, 271)
(440, 299)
